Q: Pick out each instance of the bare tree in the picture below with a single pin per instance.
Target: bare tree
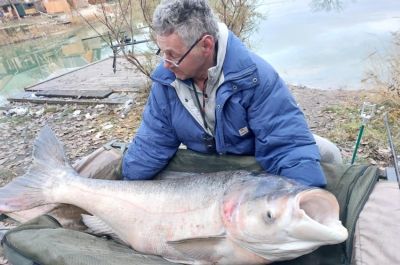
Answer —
(326, 5)
(384, 72)
(147, 7)
(122, 20)
(241, 16)
(123, 17)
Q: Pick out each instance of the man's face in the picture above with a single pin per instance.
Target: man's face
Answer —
(173, 49)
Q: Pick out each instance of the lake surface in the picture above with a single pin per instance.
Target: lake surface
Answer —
(327, 50)
(25, 64)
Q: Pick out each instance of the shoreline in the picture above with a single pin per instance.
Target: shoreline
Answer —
(83, 129)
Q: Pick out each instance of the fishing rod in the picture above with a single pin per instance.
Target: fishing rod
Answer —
(392, 149)
(367, 112)
(126, 42)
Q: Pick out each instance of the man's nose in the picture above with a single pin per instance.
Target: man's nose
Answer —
(169, 65)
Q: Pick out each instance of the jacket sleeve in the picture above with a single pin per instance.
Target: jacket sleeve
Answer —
(155, 142)
(284, 144)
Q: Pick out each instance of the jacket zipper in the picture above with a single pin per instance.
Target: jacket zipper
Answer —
(221, 106)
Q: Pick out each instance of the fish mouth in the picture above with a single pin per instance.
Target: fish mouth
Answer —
(318, 212)
(319, 205)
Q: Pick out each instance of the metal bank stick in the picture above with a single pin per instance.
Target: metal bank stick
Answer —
(392, 148)
(367, 112)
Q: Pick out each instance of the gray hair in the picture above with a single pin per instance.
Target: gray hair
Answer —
(188, 18)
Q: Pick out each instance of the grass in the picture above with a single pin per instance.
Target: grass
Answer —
(50, 109)
(16, 119)
(374, 144)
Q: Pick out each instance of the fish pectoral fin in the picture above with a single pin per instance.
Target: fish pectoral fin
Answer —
(200, 249)
(99, 227)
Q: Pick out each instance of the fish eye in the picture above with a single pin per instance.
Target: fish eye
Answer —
(269, 216)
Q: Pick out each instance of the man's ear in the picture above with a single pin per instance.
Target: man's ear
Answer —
(208, 44)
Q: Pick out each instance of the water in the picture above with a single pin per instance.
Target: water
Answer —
(25, 64)
(327, 50)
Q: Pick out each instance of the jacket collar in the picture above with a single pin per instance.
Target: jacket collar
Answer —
(238, 62)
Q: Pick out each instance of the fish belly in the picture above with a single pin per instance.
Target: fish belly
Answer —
(147, 216)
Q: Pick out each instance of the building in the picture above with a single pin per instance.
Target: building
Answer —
(11, 8)
(32, 7)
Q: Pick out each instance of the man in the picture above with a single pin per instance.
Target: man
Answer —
(215, 96)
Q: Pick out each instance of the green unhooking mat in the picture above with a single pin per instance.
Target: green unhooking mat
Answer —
(42, 241)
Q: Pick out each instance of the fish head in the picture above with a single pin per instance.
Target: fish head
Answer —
(280, 219)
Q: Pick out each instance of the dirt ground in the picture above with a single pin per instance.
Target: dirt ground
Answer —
(83, 129)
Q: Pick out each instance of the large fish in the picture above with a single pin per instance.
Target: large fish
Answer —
(221, 218)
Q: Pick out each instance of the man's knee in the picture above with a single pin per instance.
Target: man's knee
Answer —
(329, 152)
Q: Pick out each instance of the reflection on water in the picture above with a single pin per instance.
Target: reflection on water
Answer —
(327, 5)
(25, 64)
(28, 63)
(325, 44)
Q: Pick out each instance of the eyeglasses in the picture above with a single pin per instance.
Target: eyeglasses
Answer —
(176, 63)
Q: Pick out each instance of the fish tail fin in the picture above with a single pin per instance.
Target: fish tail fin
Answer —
(49, 169)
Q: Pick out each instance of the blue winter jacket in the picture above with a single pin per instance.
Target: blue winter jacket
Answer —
(255, 114)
